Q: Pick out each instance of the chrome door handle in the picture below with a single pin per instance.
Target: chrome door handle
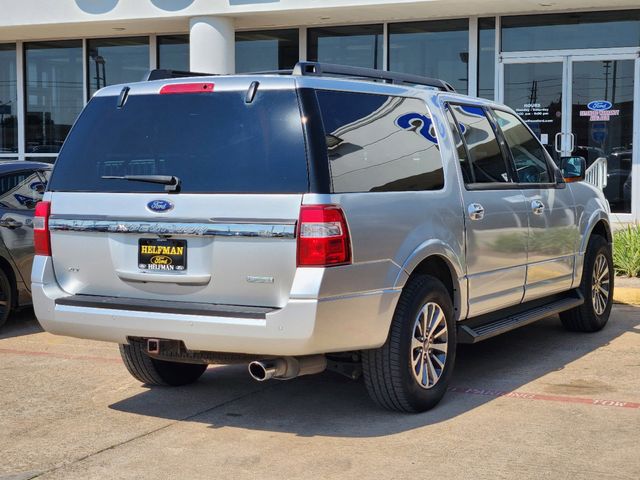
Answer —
(537, 207)
(10, 223)
(476, 211)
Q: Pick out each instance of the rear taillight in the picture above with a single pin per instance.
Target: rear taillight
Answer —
(41, 237)
(323, 236)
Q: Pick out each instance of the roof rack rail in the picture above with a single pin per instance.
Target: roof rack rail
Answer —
(162, 73)
(329, 69)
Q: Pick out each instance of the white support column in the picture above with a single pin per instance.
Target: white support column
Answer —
(153, 52)
(472, 85)
(385, 46)
(85, 72)
(20, 74)
(212, 45)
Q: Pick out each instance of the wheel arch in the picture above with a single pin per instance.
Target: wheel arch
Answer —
(437, 259)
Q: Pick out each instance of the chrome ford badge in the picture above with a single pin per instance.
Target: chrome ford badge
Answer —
(160, 206)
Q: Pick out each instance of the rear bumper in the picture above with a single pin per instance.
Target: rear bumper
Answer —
(302, 327)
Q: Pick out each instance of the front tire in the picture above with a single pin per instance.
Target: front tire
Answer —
(151, 371)
(410, 372)
(596, 287)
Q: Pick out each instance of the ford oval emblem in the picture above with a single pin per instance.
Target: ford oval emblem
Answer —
(160, 206)
(599, 105)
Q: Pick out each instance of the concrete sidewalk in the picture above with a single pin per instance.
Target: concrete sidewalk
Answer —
(538, 402)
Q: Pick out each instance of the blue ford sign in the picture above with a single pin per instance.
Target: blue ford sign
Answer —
(160, 206)
(599, 105)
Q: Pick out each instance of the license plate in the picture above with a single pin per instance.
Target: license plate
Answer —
(162, 254)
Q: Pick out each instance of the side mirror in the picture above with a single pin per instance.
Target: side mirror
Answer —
(573, 168)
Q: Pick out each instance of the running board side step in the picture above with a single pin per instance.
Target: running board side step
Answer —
(484, 331)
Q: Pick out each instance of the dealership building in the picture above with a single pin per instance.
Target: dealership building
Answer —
(570, 68)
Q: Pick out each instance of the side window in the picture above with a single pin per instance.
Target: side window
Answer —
(528, 156)
(379, 143)
(22, 190)
(467, 173)
(487, 163)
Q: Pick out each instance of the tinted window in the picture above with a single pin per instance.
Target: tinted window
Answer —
(21, 190)
(213, 142)
(117, 60)
(173, 52)
(8, 100)
(555, 31)
(528, 156)
(438, 49)
(357, 45)
(379, 143)
(266, 50)
(53, 93)
(487, 163)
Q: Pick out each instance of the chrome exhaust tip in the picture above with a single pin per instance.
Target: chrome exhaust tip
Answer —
(286, 368)
(261, 371)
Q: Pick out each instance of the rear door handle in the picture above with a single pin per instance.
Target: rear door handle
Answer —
(10, 223)
(476, 211)
(537, 207)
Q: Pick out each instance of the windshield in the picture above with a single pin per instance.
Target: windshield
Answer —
(213, 142)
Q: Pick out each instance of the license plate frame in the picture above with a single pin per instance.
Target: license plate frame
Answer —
(162, 254)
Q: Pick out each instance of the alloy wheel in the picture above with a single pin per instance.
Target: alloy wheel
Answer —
(429, 344)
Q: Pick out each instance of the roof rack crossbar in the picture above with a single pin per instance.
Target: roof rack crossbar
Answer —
(329, 69)
(163, 73)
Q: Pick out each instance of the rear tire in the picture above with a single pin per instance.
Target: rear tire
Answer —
(597, 278)
(410, 372)
(158, 372)
(6, 297)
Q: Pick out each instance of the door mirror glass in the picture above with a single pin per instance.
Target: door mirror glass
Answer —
(573, 168)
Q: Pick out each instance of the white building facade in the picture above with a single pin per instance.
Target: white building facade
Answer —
(570, 68)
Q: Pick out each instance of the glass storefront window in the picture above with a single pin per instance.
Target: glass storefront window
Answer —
(571, 30)
(173, 52)
(438, 49)
(486, 57)
(534, 91)
(8, 100)
(357, 45)
(117, 60)
(602, 122)
(53, 92)
(266, 50)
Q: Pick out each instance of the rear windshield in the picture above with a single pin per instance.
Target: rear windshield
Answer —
(213, 142)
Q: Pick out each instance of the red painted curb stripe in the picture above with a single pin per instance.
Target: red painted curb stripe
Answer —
(65, 356)
(544, 397)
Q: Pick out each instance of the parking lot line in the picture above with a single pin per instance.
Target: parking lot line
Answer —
(66, 356)
(544, 397)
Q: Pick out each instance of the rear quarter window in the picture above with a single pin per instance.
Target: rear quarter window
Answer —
(214, 142)
(379, 143)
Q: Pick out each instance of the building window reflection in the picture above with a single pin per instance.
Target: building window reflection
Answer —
(266, 50)
(116, 60)
(438, 49)
(8, 100)
(357, 46)
(173, 52)
(53, 92)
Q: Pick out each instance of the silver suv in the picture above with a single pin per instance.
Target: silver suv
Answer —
(314, 220)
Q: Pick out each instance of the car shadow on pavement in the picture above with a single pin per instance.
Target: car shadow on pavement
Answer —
(20, 322)
(331, 405)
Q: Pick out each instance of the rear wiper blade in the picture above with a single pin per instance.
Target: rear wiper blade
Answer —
(172, 183)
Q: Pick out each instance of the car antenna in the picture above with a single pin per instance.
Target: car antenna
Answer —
(124, 94)
(251, 92)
